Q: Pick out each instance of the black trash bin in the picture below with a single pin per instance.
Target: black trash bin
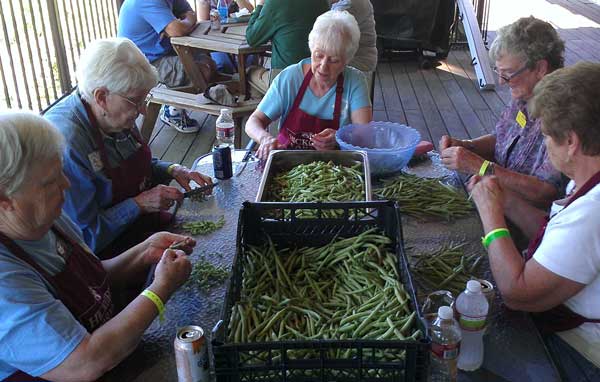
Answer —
(421, 26)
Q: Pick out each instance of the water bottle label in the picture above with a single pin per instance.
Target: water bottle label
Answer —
(449, 351)
(472, 324)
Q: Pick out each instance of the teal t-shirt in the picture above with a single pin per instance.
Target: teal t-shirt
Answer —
(278, 101)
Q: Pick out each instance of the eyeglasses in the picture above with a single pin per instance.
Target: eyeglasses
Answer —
(510, 77)
(138, 105)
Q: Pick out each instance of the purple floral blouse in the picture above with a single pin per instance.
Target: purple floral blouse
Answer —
(522, 149)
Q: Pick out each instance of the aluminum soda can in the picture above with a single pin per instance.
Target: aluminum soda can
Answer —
(222, 161)
(190, 354)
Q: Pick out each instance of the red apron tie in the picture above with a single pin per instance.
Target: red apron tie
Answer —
(299, 126)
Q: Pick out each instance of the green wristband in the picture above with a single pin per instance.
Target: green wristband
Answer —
(493, 235)
(484, 167)
(160, 306)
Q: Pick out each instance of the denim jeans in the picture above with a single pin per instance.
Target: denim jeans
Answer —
(571, 365)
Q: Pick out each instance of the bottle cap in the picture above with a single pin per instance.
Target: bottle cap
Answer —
(445, 312)
(474, 286)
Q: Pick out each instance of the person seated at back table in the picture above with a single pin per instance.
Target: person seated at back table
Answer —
(365, 58)
(117, 194)
(524, 52)
(315, 97)
(150, 24)
(559, 280)
(224, 61)
(286, 24)
(58, 321)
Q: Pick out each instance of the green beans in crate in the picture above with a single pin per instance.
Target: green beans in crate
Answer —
(321, 299)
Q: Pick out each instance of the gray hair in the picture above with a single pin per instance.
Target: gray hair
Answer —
(532, 40)
(335, 32)
(116, 64)
(25, 139)
(567, 100)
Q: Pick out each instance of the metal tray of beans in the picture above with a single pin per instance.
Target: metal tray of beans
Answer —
(320, 299)
(315, 176)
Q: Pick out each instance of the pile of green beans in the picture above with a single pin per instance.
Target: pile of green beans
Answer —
(422, 197)
(205, 275)
(347, 289)
(318, 182)
(203, 227)
(447, 268)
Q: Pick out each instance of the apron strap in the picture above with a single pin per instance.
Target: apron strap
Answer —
(337, 111)
(20, 253)
(98, 139)
(307, 77)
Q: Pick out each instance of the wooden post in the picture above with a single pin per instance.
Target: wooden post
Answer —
(59, 47)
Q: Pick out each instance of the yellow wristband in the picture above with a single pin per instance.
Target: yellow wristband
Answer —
(171, 168)
(493, 235)
(484, 167)
(160, 306)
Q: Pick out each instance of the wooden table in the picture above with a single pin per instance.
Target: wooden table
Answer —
(514, 350)
(231, 39)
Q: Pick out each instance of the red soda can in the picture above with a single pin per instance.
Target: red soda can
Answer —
(190, 354)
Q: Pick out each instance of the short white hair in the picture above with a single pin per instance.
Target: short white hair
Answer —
(335, 32)
(26, 139)
(116, 64)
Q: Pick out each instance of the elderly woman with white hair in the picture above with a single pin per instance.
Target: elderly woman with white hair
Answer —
(315, 97)
(116, 186)
(524, 52)
(57, 317)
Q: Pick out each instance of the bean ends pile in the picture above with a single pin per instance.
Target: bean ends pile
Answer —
(205, 275)
(347, 289)
(203, 227)
(422, 197)
(447, 268)
(318, 182)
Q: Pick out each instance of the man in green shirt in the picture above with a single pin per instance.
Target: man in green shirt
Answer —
(286, 23)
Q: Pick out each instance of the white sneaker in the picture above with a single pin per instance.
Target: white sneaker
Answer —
(178, 120)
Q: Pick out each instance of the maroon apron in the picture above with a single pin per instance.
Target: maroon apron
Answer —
(82, 286)
(132, 176)
(299, 127)
(560, 318)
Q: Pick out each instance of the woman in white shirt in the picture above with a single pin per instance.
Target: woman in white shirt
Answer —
(559, 279)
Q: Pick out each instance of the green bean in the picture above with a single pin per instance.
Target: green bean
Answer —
(422, 197)
(203, 227)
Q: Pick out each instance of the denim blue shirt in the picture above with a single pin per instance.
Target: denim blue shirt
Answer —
(89, 199)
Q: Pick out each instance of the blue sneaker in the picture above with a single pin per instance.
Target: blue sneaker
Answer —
(178, 119)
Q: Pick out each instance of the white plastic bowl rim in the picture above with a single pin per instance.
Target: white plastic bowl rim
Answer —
(412, 143)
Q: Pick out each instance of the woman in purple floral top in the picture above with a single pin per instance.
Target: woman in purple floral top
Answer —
(524, 52)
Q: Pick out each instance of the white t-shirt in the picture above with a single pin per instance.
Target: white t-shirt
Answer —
(571, 248)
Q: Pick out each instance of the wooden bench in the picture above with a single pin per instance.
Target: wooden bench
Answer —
(163, 96)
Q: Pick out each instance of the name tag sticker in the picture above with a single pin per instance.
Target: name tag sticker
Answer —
(95, 161)
(521, 119)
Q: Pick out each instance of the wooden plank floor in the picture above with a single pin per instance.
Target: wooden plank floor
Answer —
(444, 100)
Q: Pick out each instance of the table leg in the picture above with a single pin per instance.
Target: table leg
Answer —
(186, 55)
(242, 73)
(149, 121)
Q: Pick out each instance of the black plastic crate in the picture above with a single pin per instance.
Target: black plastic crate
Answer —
(362, 361)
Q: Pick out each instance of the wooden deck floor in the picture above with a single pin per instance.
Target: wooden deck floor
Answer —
(444, 100)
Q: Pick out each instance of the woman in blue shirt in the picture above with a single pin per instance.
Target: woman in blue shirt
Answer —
(116, 186)
(315, 97)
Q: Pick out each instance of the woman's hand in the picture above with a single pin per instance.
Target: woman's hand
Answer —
(159, 198)
(325, 140)
(172, 270)
(183, 176)
(447, 141)
(266, 144)
(488, 197)
(156, 244)
(460, 159)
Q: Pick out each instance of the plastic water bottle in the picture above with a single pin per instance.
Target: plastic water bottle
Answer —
(225, 128)
(472, 308)
(445, 346)
(223, 10)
